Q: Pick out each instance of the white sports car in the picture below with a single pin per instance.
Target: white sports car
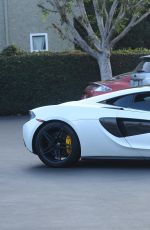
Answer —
(116, 124)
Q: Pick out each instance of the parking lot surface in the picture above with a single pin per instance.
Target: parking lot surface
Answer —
(93, 195)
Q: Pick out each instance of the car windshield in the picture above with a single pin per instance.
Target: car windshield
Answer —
(144, 66)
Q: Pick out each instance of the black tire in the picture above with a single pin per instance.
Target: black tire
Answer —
(57, 145)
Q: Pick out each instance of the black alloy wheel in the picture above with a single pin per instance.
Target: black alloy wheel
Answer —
(57, 145)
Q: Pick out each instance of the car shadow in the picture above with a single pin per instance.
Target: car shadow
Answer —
(113, 163)
(92, 165)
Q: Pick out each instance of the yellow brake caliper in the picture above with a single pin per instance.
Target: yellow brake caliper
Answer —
(68, 144)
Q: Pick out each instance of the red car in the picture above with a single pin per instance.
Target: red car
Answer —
(140, 76)
(101, 87)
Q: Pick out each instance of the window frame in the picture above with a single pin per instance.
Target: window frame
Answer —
(36, 35)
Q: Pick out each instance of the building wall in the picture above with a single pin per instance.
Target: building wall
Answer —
(19, 18)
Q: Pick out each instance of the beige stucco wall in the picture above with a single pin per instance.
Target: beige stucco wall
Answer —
(24, 17)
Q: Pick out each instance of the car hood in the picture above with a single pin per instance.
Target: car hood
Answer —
(70, 111)
(66, 105)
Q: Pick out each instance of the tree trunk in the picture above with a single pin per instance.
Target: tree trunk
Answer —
(105, 66)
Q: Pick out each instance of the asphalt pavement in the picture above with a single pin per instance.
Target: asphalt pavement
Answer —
(93, 195)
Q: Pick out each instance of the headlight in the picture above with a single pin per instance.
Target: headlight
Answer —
(32, 115)
(103, 88)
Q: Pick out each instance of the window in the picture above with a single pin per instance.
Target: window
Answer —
(122, 101)
(141, 101)
(39, 42)
(143, 66)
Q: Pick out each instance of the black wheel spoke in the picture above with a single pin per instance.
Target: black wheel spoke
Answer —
(59, 134)
(48, 137)
(65, 146)
(48, 150)
(58, 153)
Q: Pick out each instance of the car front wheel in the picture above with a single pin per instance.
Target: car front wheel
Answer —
(57, 145)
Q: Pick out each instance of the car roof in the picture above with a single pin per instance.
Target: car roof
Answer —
(118, 93)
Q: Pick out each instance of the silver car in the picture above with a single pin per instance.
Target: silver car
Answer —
(141, 75)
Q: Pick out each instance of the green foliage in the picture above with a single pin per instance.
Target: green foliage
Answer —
(12, 50)
(138, 37)
(33, 80)
(137, 51)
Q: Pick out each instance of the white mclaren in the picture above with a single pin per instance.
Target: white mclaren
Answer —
(116, 124)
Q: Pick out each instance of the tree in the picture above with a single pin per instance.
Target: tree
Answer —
(114, 19)
(138, 37)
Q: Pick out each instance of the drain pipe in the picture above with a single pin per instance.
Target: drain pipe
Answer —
(6, 22)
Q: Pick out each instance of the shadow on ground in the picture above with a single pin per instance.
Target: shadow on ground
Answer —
(99, 165)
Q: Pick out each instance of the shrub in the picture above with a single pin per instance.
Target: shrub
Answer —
(12, 50)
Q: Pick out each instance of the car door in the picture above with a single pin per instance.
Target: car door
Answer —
(134, 121)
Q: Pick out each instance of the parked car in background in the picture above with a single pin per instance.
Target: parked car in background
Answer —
(138, 77)
(141, 74)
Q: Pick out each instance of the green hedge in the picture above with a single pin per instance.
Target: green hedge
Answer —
(34, 80)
